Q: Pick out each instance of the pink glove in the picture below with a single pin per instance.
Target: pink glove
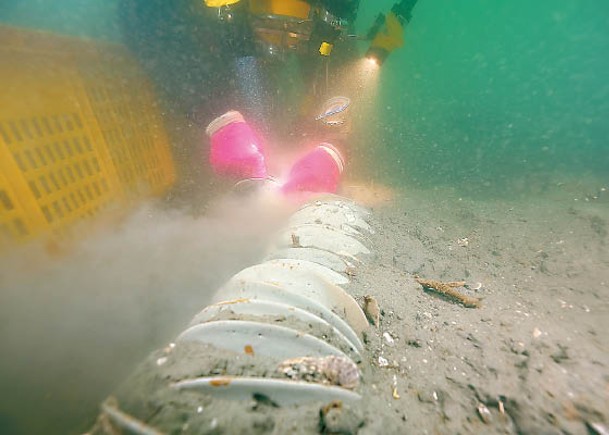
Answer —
(317, 171)
(236, 151)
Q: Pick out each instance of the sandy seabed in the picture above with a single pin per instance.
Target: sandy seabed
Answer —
(534, 358)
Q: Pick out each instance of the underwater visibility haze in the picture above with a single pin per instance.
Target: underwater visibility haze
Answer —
(489, 100)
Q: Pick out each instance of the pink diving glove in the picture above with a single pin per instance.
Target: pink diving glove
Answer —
(236, 151)
(317, 171)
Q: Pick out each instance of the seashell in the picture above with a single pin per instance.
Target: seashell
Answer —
(341, 371)
(334, 370)
(484, 413)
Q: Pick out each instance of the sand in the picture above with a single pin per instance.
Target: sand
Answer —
(533, 358)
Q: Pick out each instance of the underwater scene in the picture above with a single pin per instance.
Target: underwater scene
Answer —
(304, 216)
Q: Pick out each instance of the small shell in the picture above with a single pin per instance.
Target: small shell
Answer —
(394, 393)
(388, 339)
(334, 370)
(597, 428)
(372, 310)
(341, 371)
(394, 388)
(383, 362)
(484, 413)
(463, 242)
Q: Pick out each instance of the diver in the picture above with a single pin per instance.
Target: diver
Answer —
(277, 45)
(278, 62)
(270, 34)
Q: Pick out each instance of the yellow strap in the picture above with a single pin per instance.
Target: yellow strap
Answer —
(392, 36)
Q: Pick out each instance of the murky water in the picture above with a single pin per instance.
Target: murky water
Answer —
(490, 98)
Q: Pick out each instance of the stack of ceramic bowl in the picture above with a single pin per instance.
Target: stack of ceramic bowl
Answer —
(289, 314)
(292, 306)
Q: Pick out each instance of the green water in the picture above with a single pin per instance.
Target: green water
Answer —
(497, 94)
(86, 18)
(490, 95)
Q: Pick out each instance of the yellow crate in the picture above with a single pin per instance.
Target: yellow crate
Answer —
(79, 131)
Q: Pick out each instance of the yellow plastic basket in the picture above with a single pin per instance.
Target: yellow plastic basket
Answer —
(79, 131)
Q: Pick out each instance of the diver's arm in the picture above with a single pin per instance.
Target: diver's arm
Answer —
(387, 33)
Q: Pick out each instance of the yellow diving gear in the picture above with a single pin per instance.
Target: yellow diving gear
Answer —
(387, 39)
(219, 3)
(325, 48)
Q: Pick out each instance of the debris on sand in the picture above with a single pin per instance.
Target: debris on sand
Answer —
(296, 241)
(333, 370)
(337, 418)
(597, 428)
(372, 310)
(484, 413)
(394, 388)
(448, 289)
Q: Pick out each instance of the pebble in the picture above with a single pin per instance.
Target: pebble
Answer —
(388, 338)
(427, 397)
(484, 413)
(383, 362)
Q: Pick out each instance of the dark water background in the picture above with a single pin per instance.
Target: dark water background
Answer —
(490, 97)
